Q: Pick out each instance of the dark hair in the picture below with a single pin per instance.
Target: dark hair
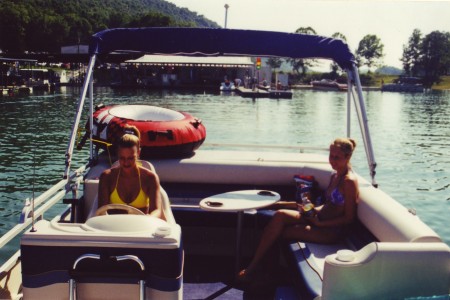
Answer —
(131, 137)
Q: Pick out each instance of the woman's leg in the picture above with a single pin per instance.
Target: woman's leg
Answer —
(271, 233)
(306, 233)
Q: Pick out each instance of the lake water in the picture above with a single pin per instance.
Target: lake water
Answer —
(410, 134)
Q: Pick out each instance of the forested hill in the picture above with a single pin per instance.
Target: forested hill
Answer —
(46, 25)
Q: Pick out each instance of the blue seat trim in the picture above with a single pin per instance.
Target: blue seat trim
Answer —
(357, 238)
(164, 284)
(166, 263)
(286, 292)
(311, 279)
(44, 279)
(55, 277)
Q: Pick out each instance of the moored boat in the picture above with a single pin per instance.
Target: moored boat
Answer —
(36, 79)
(387, 242)
(328, 85)
(227, 86)
(404, 84)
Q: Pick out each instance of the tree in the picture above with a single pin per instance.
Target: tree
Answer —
(118, 19)
(302, 64)
(152, 20)
(412, 54)
(334, 66)
(46, 32)
(274, 62)
(46, 25)
(370, 51)
(80, 30)
(13, 19)
(435, 60)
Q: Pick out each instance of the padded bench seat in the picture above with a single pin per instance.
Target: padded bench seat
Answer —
(309, 258)
(386, 243)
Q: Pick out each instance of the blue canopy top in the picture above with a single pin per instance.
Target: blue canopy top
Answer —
(215, 42)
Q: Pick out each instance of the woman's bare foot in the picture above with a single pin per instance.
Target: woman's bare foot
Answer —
(244, 276)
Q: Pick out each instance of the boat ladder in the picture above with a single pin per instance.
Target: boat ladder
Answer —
(75, 273)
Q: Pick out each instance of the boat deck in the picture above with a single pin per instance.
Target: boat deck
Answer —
(203, 281)
(209, 264)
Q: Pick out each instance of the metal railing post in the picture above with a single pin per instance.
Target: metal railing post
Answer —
(77, 118)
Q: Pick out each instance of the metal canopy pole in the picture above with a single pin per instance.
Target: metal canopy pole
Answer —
(349, 96)
(362, 116)
(91, 118)
(77, 118)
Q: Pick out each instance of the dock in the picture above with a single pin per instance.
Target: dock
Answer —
(310, 87)
(17, 90)
(250, 93)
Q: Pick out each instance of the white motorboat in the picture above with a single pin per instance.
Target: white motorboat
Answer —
(227, 86)
(328, 85)
(391, 254)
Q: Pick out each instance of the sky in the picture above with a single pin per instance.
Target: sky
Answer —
(393, 21)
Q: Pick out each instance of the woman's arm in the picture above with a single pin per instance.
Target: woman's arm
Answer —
(103, 188)
(283, 205)
(155, 208)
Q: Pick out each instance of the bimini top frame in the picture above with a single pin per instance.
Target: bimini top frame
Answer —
(221, 42)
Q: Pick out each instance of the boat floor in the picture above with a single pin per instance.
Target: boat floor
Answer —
(212, 277)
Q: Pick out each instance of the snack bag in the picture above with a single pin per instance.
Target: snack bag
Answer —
(304, 185)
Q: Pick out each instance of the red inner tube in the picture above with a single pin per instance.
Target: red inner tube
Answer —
(164, 132)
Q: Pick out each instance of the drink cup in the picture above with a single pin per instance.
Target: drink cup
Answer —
(308, 210)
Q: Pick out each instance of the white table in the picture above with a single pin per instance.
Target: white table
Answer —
(239, 201)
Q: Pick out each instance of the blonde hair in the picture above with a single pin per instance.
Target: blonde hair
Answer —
(346, 145)
(131, 137)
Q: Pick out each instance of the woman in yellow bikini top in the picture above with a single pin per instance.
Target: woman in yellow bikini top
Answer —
(119, 185)
(141, 201)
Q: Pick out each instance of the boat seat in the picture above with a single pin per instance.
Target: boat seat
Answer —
(309, 258)
(91, 195)
(377, 233)
(383, 270)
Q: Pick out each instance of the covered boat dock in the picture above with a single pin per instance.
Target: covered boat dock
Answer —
(181, 71)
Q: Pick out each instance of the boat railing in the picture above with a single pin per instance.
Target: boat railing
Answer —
(44, 202)
(299, 148)
(29, 214)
